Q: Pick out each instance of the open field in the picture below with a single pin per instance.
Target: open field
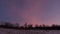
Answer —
(14, 31)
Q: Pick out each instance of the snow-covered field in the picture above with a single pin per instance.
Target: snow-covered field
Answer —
(13, 31)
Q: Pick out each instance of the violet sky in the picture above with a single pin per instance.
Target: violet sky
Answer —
(30, 11)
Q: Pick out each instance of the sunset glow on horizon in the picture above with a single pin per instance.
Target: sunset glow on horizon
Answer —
(30, 11)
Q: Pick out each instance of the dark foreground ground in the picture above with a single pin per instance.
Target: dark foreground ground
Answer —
(15, 31)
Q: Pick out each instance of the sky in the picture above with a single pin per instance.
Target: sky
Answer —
(30, 11)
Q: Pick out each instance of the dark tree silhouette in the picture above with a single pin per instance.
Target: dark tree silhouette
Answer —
(21, 27)
(7, 24)
(17, 25)
(40, 26)
(36, 26)
(30, 26)
(25, 25)
(44, 25)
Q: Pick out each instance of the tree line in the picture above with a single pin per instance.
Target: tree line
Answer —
(30, 26)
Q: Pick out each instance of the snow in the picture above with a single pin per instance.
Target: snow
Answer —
(14, 31)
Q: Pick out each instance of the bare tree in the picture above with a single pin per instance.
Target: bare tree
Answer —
(30, 26)
(36, 26)
(25, 25)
